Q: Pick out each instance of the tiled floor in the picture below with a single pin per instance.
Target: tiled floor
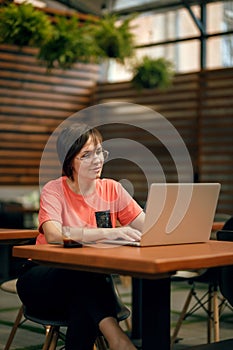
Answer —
(193, 330)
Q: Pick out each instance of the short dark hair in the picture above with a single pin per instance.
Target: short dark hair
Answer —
(70, 142)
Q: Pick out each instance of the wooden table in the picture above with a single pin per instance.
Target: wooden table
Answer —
(15, 236)
(153, 265)
(8, 238)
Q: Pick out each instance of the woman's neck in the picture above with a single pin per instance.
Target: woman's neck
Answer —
(85, 188)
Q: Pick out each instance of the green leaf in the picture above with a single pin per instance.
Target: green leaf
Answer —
(22, 25)
(153, 73)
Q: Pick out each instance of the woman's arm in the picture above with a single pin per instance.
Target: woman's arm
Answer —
(53, 231)
(138, 222)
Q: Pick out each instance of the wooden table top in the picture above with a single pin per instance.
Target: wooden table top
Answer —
(12, 236)
(148, 262)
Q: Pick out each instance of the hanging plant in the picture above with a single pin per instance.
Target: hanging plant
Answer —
(67, 44)
(152, 73)
(66, 41)
(23, 25)
(114, 38)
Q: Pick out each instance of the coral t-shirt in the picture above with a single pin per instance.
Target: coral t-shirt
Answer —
(59, 203)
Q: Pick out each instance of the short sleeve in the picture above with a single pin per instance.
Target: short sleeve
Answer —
(50, 204)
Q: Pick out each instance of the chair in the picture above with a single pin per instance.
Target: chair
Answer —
(53, 326)
(10, 287)
(226, 272)
(209, 301)
(226, 287)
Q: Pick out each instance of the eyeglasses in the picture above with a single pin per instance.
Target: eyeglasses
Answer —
(88, 156)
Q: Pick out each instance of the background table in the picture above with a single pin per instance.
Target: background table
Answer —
(9, 237)
(14, 236)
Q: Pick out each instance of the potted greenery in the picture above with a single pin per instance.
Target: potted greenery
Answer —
(113, 37)
(68, 43)
(152, 73)
(65, 42)
(23, 25)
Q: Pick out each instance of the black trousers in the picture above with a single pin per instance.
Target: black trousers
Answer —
(82, 298)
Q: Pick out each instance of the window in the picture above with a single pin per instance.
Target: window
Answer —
(175, 35)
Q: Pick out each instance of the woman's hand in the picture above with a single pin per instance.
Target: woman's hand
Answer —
(125, 232)
(129, 233)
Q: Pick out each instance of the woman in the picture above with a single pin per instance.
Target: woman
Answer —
(85, 299)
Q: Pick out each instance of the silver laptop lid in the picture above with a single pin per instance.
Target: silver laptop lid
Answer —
(179, 213)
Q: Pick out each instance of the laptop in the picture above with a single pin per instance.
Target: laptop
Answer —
(177, 213)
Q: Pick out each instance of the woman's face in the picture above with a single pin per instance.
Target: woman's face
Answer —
(88, 163)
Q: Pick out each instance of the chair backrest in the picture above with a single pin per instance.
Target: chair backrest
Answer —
(226, 272)
(11, 215)
(228, 225)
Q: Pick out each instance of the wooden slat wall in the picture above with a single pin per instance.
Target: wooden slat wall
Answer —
(33, 103)
(200, 107)
(216, 133)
